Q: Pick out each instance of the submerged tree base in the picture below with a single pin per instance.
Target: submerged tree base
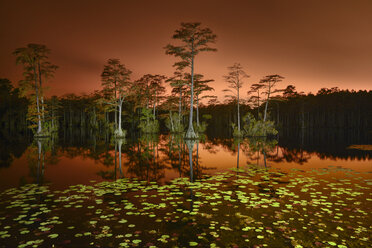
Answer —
(190, 134)
(119, 133)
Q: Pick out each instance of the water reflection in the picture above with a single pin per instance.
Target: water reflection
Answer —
(40, 153)
(148, 158)
(119, 143)
(12, 146)
(190, 145)
(80, 157)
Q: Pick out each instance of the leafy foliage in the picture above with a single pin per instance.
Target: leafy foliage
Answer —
(37, 70)
(147, 123)
(115, 82)
(253, 127)
(174, 124)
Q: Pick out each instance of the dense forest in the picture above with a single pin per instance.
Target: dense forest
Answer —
(329, 108)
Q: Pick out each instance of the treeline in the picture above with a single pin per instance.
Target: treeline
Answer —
(13, 108)
(329, 108)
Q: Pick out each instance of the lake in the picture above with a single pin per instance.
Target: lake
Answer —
(78, 190)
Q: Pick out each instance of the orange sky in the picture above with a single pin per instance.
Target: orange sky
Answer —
(313, 44)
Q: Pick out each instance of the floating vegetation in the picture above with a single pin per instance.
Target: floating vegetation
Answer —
(249, 207)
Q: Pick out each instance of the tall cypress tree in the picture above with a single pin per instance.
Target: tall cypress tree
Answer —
(195, 39)
(235, 82)
(37, 69)
(115, 80)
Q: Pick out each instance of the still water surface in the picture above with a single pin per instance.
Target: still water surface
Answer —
(62, 192)
(70, 161)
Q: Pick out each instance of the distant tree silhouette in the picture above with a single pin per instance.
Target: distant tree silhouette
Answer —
(268, 83)
(255, 99)
(234, 78)
(13, 108)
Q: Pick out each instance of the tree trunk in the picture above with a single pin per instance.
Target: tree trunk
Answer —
(119, 132)
(116, 151)
(179, 159)
(238, 110)
(258, 104)
(52, 119)
(180, 108)
(277, 114)
(81, 119)
(302, 116)
(41, 95)
(64, 118)
(38, 160)
(171, 120)
(154, 107)
(120, 142)
(39, 130)
(94, 117)
(197, 110)
(190, 146)
(71, 114)
(237, 159)
(116, 108)
(267, 102)
(190, 134)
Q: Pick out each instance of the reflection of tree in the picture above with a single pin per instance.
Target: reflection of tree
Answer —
(255, 146)
(236, 146)
(200, 170)
(113, 160)
(38, 155)
(176, 153)
(119, 144)
(190, 145)
(298, 156)
(177, 156)
(11, 147)
(150, 157)
(225, 143)
(325, 143)
(210, 147)
(98, 147)
(143, 159)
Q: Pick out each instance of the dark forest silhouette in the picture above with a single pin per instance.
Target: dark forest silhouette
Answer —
(329, 108)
